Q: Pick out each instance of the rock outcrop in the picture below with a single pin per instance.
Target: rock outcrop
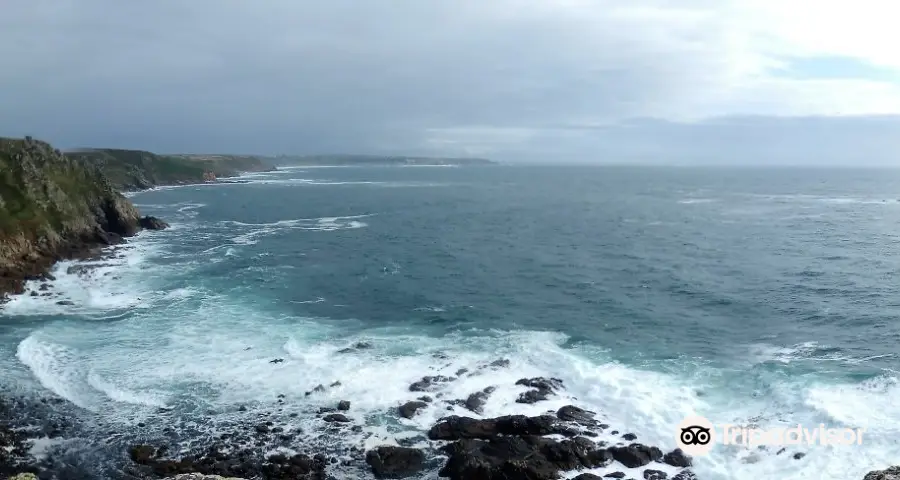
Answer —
(53, 207)
(890, 473)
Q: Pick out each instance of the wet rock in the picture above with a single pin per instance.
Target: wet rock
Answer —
(571, 413)
(587, 476)
(891, 473)
(677, 458)
(500, 363)
(277, 360)
(542, 388)
(142, 454)
(425, 398)
(335, 384)
(615, 475)
(685, 475)
(528, 457)
(629, 437)
(636, 455)
(799, 455)
(409, 409)
(356, 346)
(395, 462)
(152, 223)
(455, 427)
(44, 287)
(343, 405)
(319, 388)
(34, 294)
(476, 401)
(461, 372)
(336, 418)
(65, 302)
(655, 475)
(428, 382)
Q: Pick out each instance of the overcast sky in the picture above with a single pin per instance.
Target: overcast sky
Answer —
(713, 81)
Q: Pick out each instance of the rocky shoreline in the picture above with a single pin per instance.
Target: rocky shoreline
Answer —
(565, 443)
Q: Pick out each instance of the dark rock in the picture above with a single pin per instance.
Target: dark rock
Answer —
(336, 417)
(587, 476)
(34, 294)
(142, 454)
(571, 413)
(152, 223)
(615, 475)
(519, 457)
(427, 382)
(319, 388)
(779, 452)
(677, 458)
(629, 437)
(335, 384)
(343, 405)
(395, 462)
(65, 302)
(891, 473)
(542, 388)
(425, 398)
(655, 475)
(636, 455)
(500, 363)
(461, 372)
(455, 428)
(476, 401)
(685, 475)
(262, 429)
(409, 409)
(799, 455)
(277, 360)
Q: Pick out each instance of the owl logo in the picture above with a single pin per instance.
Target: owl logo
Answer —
(695, 435)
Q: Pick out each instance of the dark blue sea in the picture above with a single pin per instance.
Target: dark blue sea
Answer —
(748, 296)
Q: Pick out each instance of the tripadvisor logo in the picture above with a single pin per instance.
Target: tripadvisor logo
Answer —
(697, 435)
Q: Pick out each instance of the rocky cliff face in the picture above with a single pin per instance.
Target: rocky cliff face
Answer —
(53, 207)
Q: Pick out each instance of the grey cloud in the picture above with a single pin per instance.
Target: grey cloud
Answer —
(439, 76)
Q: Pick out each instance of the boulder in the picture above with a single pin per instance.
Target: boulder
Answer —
(456, 428)
(152, 223)
(541, 389)
(677, 458)
(528, 457)
(890, 473)
(409, 409)
(395, 462)
(636, 455)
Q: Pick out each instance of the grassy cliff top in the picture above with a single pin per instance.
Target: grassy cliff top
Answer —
(136, 169)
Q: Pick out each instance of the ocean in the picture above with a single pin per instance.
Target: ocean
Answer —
(764, 297)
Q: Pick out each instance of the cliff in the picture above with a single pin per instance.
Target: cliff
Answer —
(136, 169)
(54, 207)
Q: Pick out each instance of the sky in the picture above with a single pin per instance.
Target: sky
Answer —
(636, 81)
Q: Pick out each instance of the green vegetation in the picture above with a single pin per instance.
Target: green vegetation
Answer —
(41, 189)
(136, 169)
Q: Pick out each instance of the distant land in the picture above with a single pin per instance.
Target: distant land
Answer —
(137, 169)
(345, 159)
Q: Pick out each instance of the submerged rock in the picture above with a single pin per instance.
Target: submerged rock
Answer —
(541, 389)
